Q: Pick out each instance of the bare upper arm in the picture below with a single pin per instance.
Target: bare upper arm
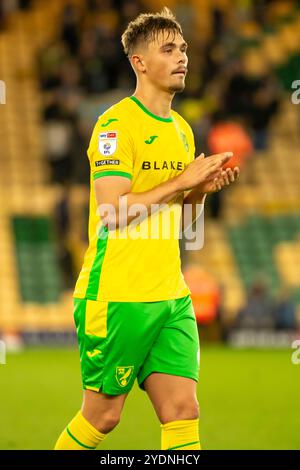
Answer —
(108, 189)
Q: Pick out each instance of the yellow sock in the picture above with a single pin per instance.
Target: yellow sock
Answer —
(79, 435)
(181, 435)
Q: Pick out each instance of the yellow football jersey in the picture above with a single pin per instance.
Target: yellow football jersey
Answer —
(141, 262)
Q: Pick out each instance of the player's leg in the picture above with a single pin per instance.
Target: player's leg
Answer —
(102, 410)
(100, 413)
(102, 403)
(114, 339)
(170, 374)
(174, 399)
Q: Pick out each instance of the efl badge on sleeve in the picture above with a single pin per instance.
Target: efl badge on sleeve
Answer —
(107, 143)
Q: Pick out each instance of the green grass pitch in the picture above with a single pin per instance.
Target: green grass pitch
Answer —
(249, 399)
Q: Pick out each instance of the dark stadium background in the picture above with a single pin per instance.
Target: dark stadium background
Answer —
(62, 65)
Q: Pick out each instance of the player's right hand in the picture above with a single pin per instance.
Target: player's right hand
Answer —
(202, 170)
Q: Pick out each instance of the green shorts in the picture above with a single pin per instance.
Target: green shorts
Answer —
(121, 341)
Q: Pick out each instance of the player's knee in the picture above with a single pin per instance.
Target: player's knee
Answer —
(179, 409)
(107, 421)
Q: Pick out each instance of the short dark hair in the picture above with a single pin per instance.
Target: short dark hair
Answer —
(146, 26)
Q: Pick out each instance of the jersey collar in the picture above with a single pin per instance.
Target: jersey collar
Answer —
(169, 119)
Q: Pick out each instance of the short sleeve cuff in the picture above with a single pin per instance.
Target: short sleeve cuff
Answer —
(99, 174)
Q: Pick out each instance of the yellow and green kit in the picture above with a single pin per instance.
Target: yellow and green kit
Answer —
(133, 311)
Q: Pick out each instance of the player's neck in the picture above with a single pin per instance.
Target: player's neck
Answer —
(157, 103)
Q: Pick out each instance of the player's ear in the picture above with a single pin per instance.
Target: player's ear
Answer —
(138, 63)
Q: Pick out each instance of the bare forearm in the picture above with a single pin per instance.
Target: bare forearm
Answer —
(161, 194)
(194, 196)
(195, 199)
(133, 204)
(120, 206)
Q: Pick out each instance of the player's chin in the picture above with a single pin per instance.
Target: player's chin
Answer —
(177, 87)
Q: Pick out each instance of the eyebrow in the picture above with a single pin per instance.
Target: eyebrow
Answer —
(172, 44)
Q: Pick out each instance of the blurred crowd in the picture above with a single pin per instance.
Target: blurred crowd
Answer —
(230, 99)
(10, 6)
(263, 311)
(84, 62)
(84, 69)
(241, 66)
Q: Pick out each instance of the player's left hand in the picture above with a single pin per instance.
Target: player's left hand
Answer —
(226, 178)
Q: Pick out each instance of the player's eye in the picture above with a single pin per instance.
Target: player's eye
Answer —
(168, 50)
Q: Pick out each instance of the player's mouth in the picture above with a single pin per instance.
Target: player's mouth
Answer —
(181, 71)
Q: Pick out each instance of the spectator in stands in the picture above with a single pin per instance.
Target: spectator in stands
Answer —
(70, 27)
(58, 137)
(6, 7)
(285, 312)
(9, 6)
(25, 4)
(93, 74)
(264, 106)
(251, 94)
(258, 311)
(63, 227)
(226, 134)
(2, 17)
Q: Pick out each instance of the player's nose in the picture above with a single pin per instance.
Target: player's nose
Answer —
(182, 60)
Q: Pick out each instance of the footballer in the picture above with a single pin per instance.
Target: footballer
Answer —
(132, 308)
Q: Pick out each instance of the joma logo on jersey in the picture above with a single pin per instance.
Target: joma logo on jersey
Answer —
(151, 139)
(124, 374)
(165, 165)
(93, 353)
(107, 143)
